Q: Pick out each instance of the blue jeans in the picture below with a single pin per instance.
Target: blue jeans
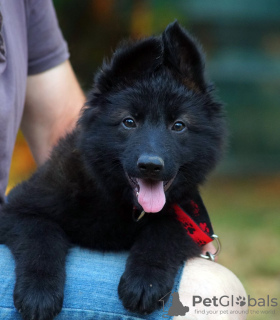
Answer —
(90, 291)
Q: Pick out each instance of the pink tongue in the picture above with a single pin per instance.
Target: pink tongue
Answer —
(151, 195)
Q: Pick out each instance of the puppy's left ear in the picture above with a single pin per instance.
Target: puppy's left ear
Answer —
(183, 55)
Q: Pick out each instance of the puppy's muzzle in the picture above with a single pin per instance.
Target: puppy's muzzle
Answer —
(150, 165)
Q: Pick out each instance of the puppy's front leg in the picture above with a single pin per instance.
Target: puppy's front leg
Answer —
(153, 263)
(39, 247)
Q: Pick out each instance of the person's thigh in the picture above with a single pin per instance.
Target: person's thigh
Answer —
(90, 291)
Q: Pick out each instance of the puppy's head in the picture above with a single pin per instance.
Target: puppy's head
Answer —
(151, 123)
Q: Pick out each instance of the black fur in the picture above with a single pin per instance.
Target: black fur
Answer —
(82, 194)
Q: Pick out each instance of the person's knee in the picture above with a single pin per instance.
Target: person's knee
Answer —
(211, 291)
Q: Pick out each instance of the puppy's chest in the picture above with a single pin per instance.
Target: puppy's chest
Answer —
(105, 227)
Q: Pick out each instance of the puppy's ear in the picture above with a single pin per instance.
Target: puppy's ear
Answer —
(129, 62)
(183, 55)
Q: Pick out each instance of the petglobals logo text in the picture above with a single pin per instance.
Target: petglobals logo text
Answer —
(265, 305)
(217, 305)
(226, 301)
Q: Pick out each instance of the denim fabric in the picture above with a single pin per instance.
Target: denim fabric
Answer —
(90, 290)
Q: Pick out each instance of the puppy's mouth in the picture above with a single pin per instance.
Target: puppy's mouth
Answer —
(150, 193)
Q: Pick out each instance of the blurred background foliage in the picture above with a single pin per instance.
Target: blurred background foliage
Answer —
(242, 44)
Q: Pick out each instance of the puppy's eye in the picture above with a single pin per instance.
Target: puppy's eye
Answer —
(178, 126)
(129, 123)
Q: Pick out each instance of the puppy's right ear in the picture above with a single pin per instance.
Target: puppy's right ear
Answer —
(130, 61)
(183, 55)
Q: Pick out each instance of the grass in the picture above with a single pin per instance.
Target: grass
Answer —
(245, 214)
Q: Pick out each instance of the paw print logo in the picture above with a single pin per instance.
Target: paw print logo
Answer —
(195, 208)
(201, 242)
(241, 301)
(189, 227)
(204, 227)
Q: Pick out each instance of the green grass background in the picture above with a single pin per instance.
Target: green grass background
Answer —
(245, 213)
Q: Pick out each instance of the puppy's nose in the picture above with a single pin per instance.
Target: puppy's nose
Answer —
(150, 165)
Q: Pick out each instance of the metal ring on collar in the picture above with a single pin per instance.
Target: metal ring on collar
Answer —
(209, 255)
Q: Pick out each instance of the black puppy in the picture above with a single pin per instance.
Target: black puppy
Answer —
(147, 137)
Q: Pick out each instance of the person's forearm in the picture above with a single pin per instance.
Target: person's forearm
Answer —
(53, 102)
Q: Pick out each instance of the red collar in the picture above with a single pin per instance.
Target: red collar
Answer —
(194, 218)
(200, 232)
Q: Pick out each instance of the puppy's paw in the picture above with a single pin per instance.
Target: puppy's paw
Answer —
(141, 293)
(38, 300)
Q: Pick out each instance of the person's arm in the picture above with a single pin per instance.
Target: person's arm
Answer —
(53, 102)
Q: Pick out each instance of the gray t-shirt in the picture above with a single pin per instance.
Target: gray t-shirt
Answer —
(30, 42)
